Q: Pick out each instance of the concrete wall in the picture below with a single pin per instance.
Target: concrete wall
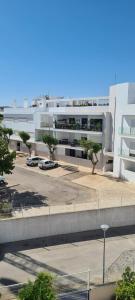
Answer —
(23, 148)
(16, 229)
(79, 161)
(103, 292)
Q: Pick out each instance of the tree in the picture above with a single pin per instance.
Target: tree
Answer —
(29, 146)
(40, 289)
(51, 144)
(125, 289)
(91, 150)
(6, 158)
(1, 117)
(7, 132)
(25, 137)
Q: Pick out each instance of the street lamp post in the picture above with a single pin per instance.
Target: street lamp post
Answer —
(104, 227)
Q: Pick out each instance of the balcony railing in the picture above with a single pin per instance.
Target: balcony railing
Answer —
(127, 154)
(46, 125)
(77, 126)
(130, 131)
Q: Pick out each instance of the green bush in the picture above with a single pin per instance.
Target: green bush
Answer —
(125, 289)
(40, 289)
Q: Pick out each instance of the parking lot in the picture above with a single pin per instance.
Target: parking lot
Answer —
(32, 187)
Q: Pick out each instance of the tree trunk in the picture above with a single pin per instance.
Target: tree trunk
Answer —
(93, 167)
(51, 155)
(30, 152)
(94, 163)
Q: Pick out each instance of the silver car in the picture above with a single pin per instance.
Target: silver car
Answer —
(2, 180)
(47, 164)
(33, 161)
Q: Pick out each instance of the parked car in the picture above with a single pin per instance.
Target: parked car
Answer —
(47, 164)
(33, 161)
(2, 180)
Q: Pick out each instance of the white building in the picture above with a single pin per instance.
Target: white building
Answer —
(107, 120)
(123, 95)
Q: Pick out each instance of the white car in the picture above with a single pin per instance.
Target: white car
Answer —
(47, 164)
(33, 161)
(2, 180)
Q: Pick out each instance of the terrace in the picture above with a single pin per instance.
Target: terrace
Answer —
(83, 124)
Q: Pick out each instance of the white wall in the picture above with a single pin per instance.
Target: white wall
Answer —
(17, 125)
(124, 95)
(79, 110)
(64, 223)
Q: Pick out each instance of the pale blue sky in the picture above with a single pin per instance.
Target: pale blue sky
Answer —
(65, 47)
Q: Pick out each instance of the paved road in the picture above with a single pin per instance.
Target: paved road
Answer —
(18, 263)
(32, 188)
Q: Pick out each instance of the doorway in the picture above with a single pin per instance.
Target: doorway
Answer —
(18, 146)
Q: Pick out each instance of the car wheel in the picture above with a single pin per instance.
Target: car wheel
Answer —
(2, 182)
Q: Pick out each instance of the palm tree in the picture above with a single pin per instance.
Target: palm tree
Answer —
(91, 150)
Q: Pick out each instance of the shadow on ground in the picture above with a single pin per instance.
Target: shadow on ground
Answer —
(33, 266)
(72, 169)
(22, 199)
(7, 281)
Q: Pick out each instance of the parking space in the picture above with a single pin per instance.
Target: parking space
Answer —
(61, 170)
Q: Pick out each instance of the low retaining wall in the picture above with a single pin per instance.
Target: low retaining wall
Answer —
(16, 229)
(103, 292)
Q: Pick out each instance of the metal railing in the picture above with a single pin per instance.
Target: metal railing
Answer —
(77, 285)
(77, 127)
(69, 286)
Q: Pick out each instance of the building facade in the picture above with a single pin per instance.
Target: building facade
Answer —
(108, 120)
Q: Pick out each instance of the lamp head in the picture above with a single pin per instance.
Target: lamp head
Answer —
(104, 227)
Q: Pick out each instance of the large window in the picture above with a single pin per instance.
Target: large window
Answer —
(74, 153)
(96, 124)
(71, 120)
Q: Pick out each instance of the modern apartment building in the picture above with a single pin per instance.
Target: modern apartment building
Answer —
(108, 120)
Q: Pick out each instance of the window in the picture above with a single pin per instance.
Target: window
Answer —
(83, 138)
(84, 121)
(71, 120)
(96, 124)
(70, 152)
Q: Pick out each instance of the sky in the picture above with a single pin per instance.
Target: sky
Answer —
(70, 48)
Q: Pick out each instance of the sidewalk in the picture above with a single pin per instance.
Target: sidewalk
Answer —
(103, 182)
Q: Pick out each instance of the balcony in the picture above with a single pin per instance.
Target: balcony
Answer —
(97, 126)
(129, 155)
(128, 132)
(46, 125)
(72, 143)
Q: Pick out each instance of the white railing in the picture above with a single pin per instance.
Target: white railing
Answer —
(130, 131)
(47, 125)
